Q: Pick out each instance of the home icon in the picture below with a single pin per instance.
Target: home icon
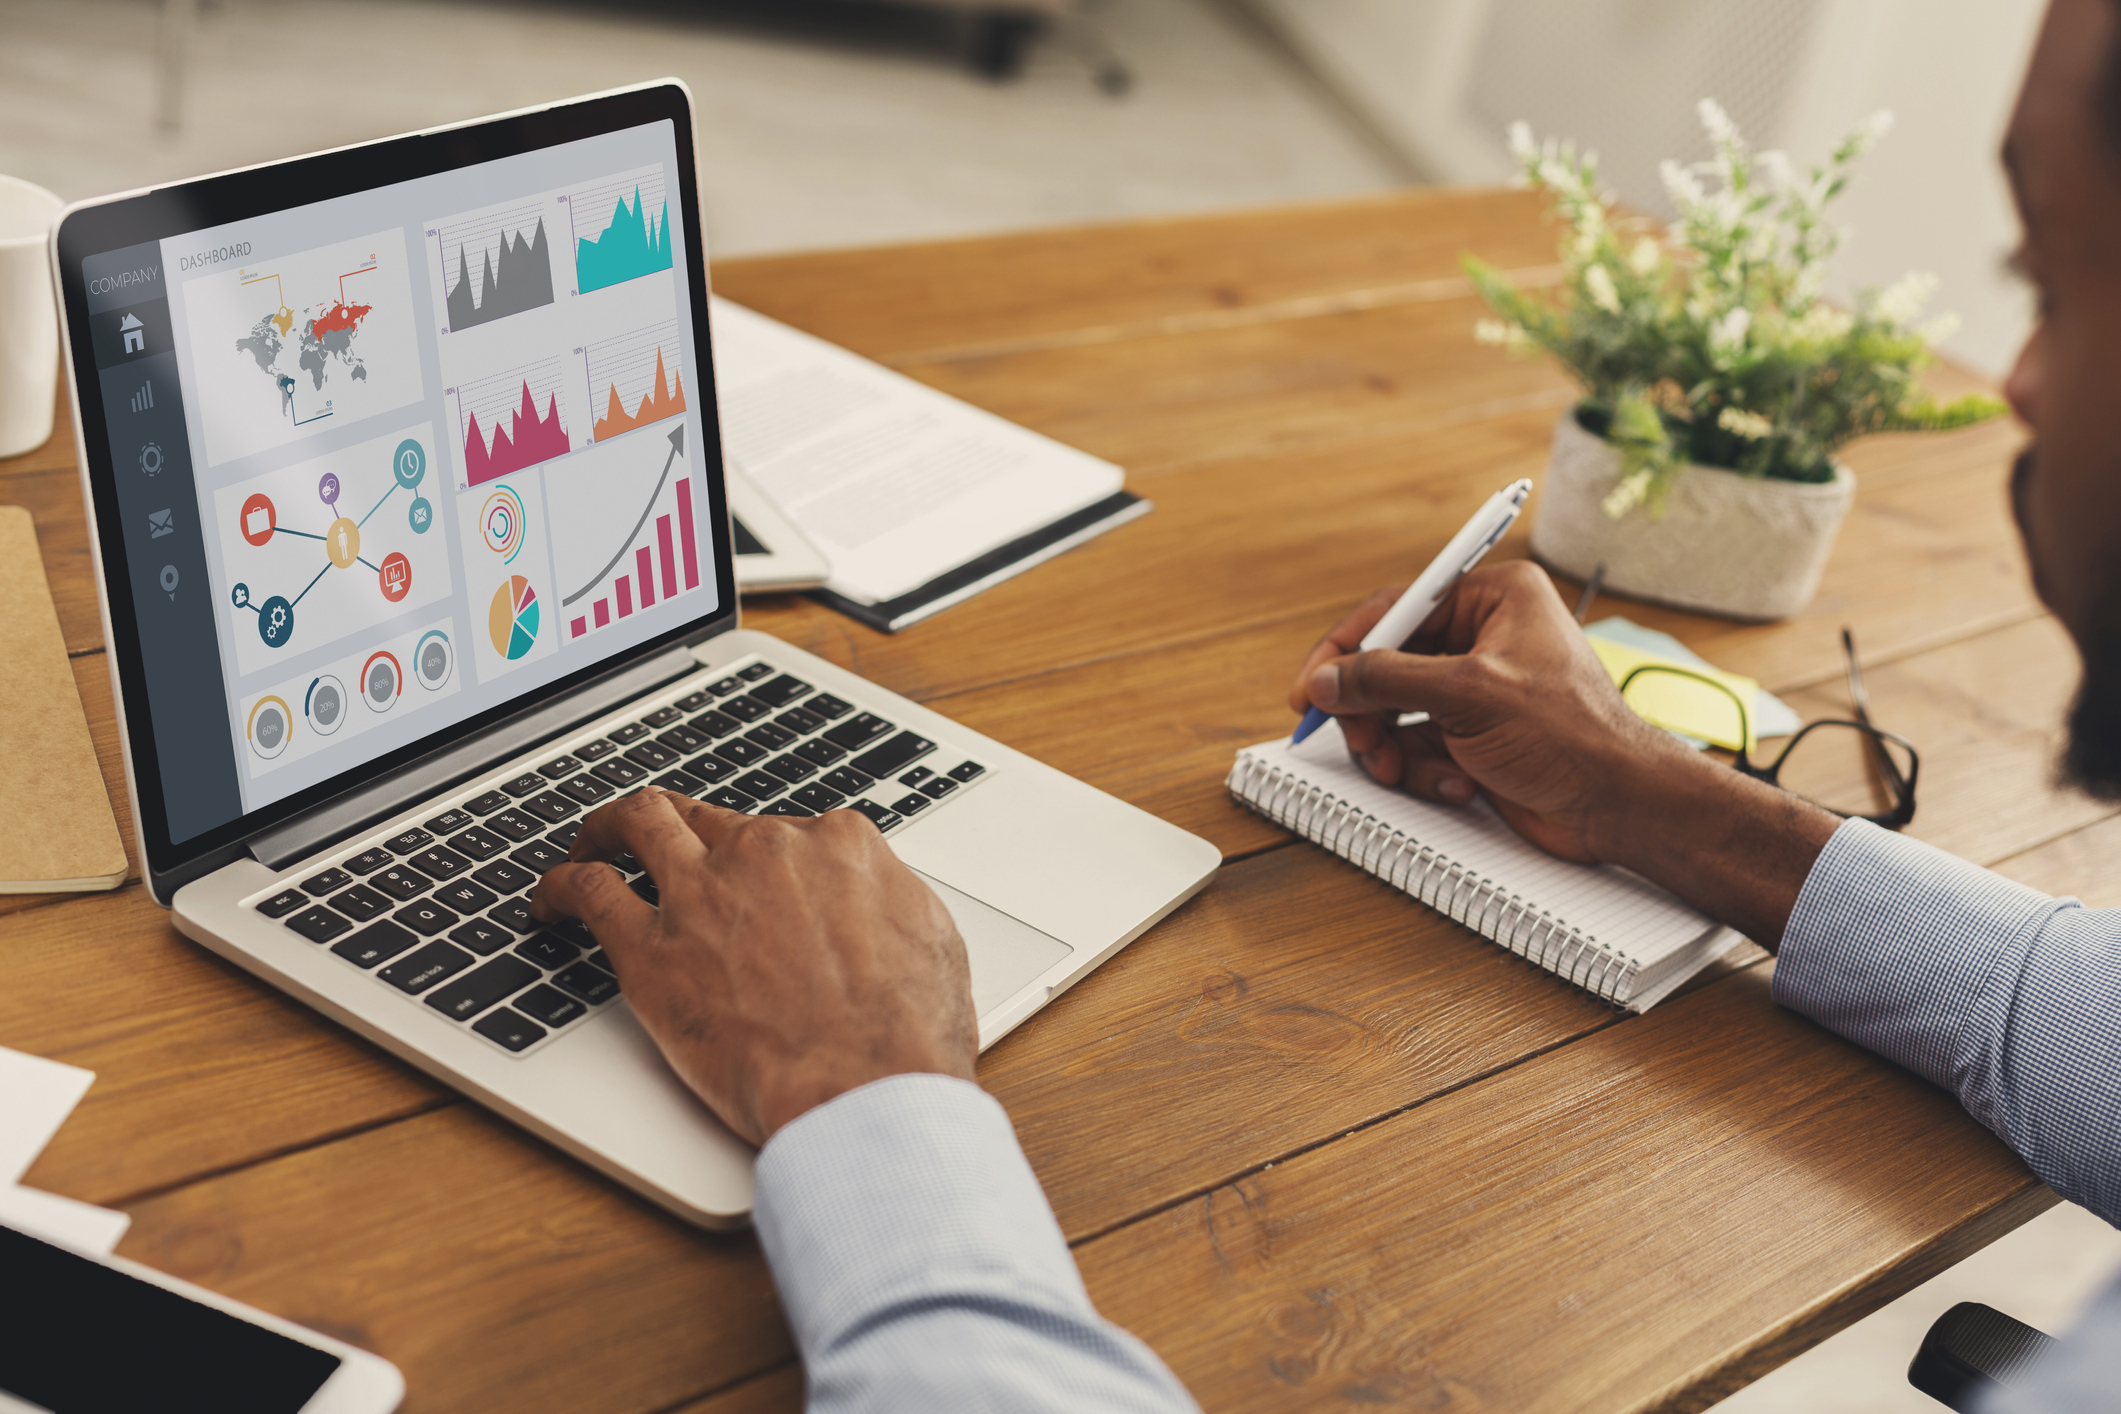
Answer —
(135, 335)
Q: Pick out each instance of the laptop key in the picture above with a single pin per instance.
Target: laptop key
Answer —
(482, 987)
(710, 769)
(826, 705)
(283, 903)
(791, 768)
(554, 1008)
(662, 716)
(619, 773)
(911, 805)
(514, 825)
(858, 731)
(848, 780)
(598, 959)
(482, 936)
(504, 877)
(741, 753)
(465, 897)
(408, 841)
(379, 942)
(722, 687)
(819, 798)
(768, 735)
(328, 882)
(509, 1029)
(915, 776)
(488, 803)
(651, 756)
(318, 924)
(729, 798)
(560, 769)
(416, 972)
(360, 903)
(400, 883)
(586, 790)
(714, 724)
(646, 889)
(938, 788)
(548, 950)
(755, 671)
(368, 861)
(894, 755)
(529, 783)
(800, 720)
(439, 863)
(480, 843)
(632, 731)
(564, 836)
(746, 710)
(759, 785)
(426, 917)
(682, 782)
(515, 914)
(780, 692)
(683, 740)
(880, 817)
(451, 821)
(786, 807)
(594, 750)
(967, 770)
(691, 702)
(551, 807)
(538, 856)
(591, 984)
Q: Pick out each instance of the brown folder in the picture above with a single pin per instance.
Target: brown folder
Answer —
(56, 830)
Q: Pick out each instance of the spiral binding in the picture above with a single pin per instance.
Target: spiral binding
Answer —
(1444, 885)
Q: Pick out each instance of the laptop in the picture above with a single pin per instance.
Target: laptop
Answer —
(407, 499)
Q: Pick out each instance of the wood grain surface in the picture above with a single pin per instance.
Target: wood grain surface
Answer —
(1315, 1143)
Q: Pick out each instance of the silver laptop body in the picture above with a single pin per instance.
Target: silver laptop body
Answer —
(355, 811)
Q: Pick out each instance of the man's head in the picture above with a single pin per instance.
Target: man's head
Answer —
(2063, 154)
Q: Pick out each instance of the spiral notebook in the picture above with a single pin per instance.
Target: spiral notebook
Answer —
(1612, 933)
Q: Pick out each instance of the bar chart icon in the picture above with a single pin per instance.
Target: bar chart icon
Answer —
(655, 571)
(145, 398)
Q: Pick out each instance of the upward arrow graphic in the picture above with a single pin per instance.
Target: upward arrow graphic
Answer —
(677, 445)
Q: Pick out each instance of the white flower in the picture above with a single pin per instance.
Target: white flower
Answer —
(1775, 172)
(1627, 494)
(1866, 136)
(1903, 299)
(1722, 131)
(1823, 324)
(1643, 260)
(1936, 331)
(1501, 335)
(1598, 284)
(1749, 425)
(1727, 335)
(1522, 147)
(1681, 185)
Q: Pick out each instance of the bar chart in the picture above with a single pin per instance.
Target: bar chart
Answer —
(653, 571)
(633, 529)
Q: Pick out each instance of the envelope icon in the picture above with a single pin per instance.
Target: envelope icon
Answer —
(159, 524)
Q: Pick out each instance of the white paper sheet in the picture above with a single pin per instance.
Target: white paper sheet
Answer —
(893, 481)
(68, 1220)
(36, 1095)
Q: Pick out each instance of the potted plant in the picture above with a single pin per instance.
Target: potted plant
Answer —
(1718, 384)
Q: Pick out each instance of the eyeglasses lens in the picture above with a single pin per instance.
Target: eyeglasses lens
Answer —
(1839, 767)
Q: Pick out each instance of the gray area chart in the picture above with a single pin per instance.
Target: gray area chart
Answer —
(515, 274)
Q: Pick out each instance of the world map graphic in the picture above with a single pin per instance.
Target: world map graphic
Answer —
(322, 335)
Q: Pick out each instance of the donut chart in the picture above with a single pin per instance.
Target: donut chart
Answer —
(512, 621)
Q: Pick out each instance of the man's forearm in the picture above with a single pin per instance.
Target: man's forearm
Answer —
(1736, 848)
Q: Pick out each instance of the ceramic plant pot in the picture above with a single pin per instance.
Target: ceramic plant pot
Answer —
(1745, 547)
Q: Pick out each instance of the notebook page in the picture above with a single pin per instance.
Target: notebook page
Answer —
(1611, 906)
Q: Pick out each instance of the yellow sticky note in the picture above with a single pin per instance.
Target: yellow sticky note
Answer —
(1682, 704)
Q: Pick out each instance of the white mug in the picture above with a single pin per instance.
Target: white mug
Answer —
(29, 319)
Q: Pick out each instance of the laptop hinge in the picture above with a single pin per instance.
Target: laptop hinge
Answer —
(357, 810)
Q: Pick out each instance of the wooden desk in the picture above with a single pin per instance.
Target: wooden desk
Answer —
(1314, 1143)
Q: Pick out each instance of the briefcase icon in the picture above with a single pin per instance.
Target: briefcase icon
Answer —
(258, 521)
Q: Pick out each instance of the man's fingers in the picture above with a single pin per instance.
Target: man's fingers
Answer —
(1384, 680)
(1343, 638)
(711, 825)
(1427, 768)
(647, 825)
(596, 894)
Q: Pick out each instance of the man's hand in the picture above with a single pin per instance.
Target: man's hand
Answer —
(1521, 710)
(790, 960)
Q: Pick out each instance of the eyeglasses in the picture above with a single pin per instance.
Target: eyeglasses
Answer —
(1845, 765)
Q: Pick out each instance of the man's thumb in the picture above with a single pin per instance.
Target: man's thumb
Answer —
(1385, 680)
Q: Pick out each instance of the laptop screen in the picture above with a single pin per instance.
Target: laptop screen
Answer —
(392, 459)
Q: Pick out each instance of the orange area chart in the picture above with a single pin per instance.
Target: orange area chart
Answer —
(661, 402)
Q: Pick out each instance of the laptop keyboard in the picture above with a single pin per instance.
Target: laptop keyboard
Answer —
(441, 912)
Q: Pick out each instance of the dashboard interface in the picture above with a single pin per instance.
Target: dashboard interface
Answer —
(388, 461)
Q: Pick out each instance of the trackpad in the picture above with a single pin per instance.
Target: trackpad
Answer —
(1006, 955)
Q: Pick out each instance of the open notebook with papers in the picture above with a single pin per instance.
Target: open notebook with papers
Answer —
(1610, 932)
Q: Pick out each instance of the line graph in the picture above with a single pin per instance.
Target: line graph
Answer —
(495, 264)
(628, 377)
(619, 228)
(510, 420)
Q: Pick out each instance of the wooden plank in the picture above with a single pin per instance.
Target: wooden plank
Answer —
(892, 302)
(2084, 864)
(1646, 1219)
(494, 1274)
(777, 1389)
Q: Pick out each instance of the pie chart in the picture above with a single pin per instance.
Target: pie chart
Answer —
(512, 622)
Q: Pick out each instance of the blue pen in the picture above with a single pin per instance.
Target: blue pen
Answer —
(1424, 594)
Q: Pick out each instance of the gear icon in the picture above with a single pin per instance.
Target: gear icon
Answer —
(151, 459)
(278, 618)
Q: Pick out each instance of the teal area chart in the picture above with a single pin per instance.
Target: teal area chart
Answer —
(620, 228)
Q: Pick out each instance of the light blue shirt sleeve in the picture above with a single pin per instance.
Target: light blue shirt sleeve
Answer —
(921, 1268)
(2009, 998)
